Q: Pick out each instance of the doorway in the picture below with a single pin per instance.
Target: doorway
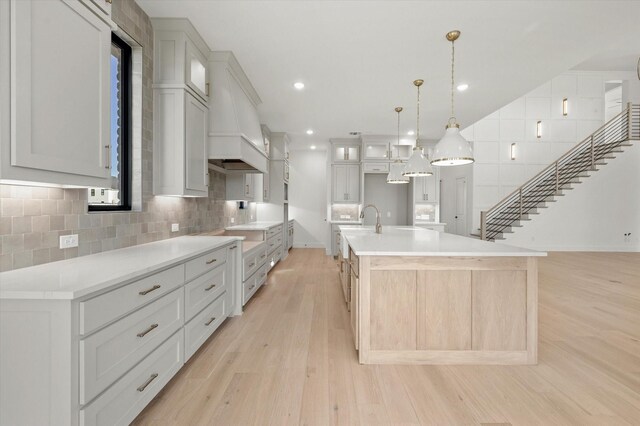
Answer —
(391, 200)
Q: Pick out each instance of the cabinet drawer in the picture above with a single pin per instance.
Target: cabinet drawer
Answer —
(205, 263)
(109, 353)
(272, 243)
(250, 265)
(250, 286)
(376, 167)
(102, 309)
(121, 403)
(203, 325)
(204, 290)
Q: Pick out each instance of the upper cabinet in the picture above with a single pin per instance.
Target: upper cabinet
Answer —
(346, 183)
(346, 153)
(425, 189)
(55, 92)
(180, 111)
(242, 186)
(375, 149)
(180, 57)
(279, 146)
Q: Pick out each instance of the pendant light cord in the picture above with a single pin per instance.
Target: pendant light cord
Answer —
(453, 55)
(418, 121)
(398, 145)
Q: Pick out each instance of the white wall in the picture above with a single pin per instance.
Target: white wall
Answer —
(495, 174)
(593, 216)
(307, 198)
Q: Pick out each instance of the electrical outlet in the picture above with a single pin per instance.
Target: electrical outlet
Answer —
(68, 241)
(233, 220)
(175, 227)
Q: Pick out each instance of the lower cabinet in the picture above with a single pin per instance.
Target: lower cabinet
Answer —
(100, 359)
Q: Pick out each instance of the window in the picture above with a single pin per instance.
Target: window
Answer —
(118, 196)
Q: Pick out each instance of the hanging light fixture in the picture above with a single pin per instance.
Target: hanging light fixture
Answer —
(396, 168)
(418, 165)
(453, 149)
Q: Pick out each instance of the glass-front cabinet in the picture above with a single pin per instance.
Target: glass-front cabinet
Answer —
(346, 153)
(376, 150)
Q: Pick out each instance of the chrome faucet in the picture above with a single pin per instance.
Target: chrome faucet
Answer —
(378, 225)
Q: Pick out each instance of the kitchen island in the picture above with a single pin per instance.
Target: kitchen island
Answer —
(424, 297)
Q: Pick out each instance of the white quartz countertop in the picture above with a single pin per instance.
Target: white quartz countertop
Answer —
(346, 222)
(82, 276)
(413, 241)
(253, 226)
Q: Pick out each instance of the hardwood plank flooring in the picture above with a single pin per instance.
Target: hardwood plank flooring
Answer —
(289, 359)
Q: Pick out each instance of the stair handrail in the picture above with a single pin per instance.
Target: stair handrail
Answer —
(627, 114)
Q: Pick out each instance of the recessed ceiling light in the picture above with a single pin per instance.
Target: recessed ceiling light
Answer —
(309, 132)
(298, 85)
(462, 87)
(312, 147)
(411, 133)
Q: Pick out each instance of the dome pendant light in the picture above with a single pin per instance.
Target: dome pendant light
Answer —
(418, 165)
(453, 149)
(396, 168)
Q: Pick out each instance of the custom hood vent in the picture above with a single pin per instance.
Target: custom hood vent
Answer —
(235, 137)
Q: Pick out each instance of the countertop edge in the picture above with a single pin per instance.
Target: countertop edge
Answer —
(105, 286)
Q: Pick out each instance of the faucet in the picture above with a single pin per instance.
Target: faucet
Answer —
(378, 225)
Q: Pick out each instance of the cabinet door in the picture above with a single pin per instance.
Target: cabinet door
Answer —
(286, 171)
(60, 94)
(425, 189)
(339, 153)
(265, 186)
(340, 183)
(196, 73)
(195, 144)
(376, 151)
(353, 153)
(248, 185)
(353, 183)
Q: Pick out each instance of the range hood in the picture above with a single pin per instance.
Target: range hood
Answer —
(235, 137)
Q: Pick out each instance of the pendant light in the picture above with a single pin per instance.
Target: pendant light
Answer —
(418, 165)
(453, 149)
(397, 167)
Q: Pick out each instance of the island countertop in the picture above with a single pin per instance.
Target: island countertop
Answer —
(84, 275)
(413, 241)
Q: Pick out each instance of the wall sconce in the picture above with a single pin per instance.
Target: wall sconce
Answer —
(513, 151)
(539, 129)
(565, 107)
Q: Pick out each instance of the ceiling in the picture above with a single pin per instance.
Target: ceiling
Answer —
(358, 59)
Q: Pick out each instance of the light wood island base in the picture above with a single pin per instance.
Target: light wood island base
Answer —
(446, 310)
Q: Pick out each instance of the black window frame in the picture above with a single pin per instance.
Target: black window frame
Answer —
(125, 131)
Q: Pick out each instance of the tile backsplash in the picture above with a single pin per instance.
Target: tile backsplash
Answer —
(345, 212)
(33, 218)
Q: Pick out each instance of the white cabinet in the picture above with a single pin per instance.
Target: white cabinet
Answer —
(381, 151)
(137, 334)
(55, 92)
(424, 189)
(286, 171)
(346, 183)
(261, 187)
(376, 151)
(101, 7)
(180, 144)
(180, 57)
(279, 146)
(180, 110)
(241, 186)
(343, 153)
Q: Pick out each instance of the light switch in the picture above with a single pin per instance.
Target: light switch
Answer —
(175, 227)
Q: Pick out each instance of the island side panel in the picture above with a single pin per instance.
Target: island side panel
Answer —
(505, 331)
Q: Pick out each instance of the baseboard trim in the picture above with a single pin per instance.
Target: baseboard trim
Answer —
(308, 245)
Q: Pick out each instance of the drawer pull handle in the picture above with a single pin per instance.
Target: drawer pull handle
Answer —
(234, 247)
(210, 287)
(251, 288)
(209, 262)
(151, 327)
(263, 256)
(149, 290)
(210, 321)
(148, 382)
(252, 264)
(263, 274)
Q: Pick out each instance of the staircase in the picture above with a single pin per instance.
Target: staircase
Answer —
(562, 175)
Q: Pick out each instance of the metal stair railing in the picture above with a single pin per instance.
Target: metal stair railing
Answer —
(583, 157)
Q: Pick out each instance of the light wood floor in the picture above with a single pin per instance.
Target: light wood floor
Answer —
(290, 359)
